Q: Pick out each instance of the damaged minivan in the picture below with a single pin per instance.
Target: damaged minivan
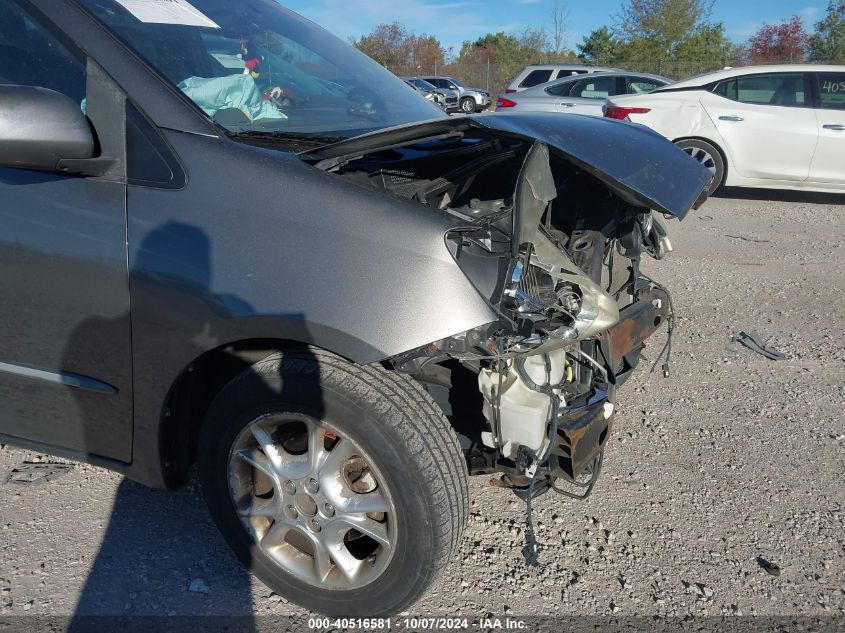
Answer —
(229, 239)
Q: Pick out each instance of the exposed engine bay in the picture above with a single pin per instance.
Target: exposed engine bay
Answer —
(554, 242)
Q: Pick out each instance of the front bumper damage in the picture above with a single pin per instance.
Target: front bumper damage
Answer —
(551, 219)
(583, 430)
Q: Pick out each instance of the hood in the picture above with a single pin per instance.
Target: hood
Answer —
(634, 162)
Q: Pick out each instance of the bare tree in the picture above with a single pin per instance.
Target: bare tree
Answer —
(560, 16)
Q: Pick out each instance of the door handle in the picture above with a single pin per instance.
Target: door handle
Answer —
(834, 126)
(730, 117)
(567, 105)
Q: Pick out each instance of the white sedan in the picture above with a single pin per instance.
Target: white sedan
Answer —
(779, 127)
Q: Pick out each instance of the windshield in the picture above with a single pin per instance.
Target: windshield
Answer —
(253, 66)
(422, 84)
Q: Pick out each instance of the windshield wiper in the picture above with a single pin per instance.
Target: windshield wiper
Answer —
(298, 138)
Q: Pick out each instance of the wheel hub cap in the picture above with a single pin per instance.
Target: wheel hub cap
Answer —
(702, 157)
(313, 501)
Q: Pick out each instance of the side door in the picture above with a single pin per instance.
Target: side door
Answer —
(65, 349)
(767, 122)
(588, 95)
(828, 164)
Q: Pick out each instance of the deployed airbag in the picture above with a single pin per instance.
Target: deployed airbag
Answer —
(235, 91)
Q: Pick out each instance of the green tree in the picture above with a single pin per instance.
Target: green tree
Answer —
(828, 41)
(600, 47)
(709, 44)
(499, 47)
(662, 26)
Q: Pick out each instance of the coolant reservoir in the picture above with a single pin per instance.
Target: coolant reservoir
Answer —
(524, 414)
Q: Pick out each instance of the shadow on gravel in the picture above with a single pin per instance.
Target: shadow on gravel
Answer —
(162, 556)
(780, 195)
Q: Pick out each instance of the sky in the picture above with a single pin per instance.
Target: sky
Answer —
(454, 21)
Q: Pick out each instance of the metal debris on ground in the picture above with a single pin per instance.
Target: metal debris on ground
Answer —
(773, 569)
(747, 239)
(36, 473)
(755, 343)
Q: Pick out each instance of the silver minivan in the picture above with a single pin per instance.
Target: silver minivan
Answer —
(337, 301)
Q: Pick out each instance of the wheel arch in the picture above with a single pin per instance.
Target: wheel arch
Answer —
(717, 145)
(192, 392)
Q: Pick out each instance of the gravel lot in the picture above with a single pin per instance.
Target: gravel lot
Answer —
(732, 458)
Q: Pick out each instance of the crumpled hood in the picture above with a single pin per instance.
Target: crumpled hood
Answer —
(636, 163)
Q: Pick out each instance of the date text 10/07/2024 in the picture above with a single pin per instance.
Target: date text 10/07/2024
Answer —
(417, 624)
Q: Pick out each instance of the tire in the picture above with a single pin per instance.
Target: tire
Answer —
(709, 156)
(391, 430)
(468, 105)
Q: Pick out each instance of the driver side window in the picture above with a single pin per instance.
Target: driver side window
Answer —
(31, 56)
(781, 89)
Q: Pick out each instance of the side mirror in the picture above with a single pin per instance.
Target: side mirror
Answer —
(41, 129)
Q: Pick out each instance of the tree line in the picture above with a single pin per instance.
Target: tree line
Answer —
(653, 30)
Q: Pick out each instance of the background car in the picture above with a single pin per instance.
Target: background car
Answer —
(446, 99)
(579, 95)
(537, 74)
(429, 95)
(469, 99)
(781, 127)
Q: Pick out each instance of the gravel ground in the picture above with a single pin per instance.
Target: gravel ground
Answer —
(732, 458)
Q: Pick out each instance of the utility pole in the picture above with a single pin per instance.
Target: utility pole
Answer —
(487, 50)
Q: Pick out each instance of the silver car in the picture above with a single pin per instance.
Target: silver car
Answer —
(579, 95)
(471, 99)
(446, 99)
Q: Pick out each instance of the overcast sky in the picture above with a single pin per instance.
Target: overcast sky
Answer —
(458, 20)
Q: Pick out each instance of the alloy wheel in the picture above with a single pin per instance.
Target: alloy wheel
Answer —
(312, 500)
(702, 156)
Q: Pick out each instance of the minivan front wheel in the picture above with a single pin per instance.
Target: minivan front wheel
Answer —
(341, 487)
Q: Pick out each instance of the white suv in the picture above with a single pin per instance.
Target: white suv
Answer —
(779, 127)
(537, 74)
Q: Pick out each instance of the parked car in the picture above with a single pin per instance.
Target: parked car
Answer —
(446, 99)
(429, 95)
(778, 127)
(579, 95)
(470, 100)
(537, 74)
(340, 305)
